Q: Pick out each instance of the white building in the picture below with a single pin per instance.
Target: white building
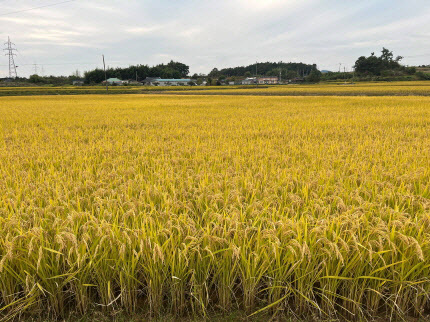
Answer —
(171, 82)
(114, 81)
(268, 80)
(249, 81)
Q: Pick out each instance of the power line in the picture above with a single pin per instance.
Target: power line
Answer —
(70, 63)
(59, 64)
(29, 9)
(10, 52)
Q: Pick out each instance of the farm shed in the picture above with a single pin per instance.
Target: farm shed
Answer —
(114, 81)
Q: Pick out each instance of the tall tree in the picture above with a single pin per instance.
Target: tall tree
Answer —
(374, 65)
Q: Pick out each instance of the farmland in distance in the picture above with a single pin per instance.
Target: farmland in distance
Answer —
(414, 88)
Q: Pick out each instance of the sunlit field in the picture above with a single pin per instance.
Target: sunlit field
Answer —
(199, 205)
(421, 88)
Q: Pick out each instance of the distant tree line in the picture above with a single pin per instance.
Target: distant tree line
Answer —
(333, 76)
(385, 67)
(288, 70)
(170, 70)
(53, 80)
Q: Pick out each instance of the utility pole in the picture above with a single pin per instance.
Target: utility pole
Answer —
(256, 72)
(339, 66)
(280, 74)
(104, 68)
(136, 75)
(10, 52)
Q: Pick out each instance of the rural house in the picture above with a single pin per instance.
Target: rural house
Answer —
(249, 81)
(267, 80)
(133, 82)
(150, 80)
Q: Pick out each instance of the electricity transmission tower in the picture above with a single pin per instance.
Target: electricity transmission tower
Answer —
(10, 52)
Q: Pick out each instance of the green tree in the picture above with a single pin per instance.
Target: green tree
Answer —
(374, 65)
(291, 74)
(36, 79)
(314, 76)
(370, 65)
(214, 73)
(181, 69)
(386, 55)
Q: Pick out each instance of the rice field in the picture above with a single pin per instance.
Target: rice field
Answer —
(409, 88)
(416, 88)
(198, 205)
(97, 89)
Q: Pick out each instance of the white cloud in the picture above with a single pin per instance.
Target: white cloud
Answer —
(142, 30)
(207, 34)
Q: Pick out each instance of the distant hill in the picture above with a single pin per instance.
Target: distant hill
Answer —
(265, 68)
(325, 71)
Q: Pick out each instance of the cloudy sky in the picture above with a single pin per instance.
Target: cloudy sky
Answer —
(62, 36)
